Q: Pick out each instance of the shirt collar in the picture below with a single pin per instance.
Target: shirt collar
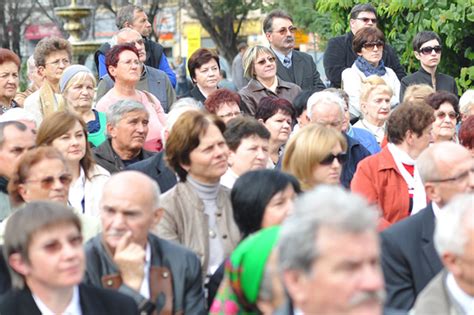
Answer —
(464, 300)
(280, 56)
(436, 209)
(73, 308)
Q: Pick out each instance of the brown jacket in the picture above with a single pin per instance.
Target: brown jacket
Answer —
(254, 91)
(185, 222)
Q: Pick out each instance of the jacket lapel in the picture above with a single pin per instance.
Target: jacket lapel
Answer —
(298, 68)
(427, 229)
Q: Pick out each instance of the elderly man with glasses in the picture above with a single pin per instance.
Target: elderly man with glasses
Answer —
(292, 65)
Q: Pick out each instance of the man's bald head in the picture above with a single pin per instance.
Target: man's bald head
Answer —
(130, 36)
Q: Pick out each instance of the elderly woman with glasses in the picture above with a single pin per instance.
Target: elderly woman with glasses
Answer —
(446, 113)
(223, 103)
(125, 68)
(9, 79)
(368, 44)
(260, 67)
(43, 174)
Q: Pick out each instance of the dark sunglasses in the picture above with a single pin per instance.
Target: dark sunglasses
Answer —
(328, 160)
(371, 45)
(47, 182)
(264, 60)
(428, 49)
(451, 115)
(366, 20)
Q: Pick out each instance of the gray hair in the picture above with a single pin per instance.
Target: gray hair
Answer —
(324, 97)
(126, 14)
(114, 40)
(466, 102)
(453, 223)
(25, 222)
(118, 110)
(325, 206)
(19, 125)
(428, 162)
(179, 107)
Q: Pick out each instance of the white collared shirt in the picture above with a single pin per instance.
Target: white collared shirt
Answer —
(281, 57)
(145, 286)
(73, 308)
(436, 209)
(464, 300)
(229, 178)
(378, 132)
(77, 191)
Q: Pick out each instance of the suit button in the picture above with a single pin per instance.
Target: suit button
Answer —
(219, 214)
(224, 236)
(110, 283)
(165, 274)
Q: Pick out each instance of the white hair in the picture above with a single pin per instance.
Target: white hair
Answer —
(453, 223)
(17, 114)
(324, 97)
(466, 101)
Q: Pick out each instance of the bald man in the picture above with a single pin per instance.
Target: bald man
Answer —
(152, 80)
(159, 275)
(409, 258)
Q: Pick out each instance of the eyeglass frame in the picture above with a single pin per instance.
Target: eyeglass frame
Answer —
(442, 115)
(48, 181)
(371, 45)
(264, 61)
(366, 20)
(284, 30)
(461, 176)
(428, 50)
(329, 159)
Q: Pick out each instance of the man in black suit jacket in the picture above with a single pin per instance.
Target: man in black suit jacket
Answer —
(299, 68)
(339, 54)
(43, 246)
(409, 259)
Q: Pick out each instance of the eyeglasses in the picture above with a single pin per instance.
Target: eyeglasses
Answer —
(428, 49)
(442, 115)
(367, 20)
(283, 31)
(459, 177)
(371, 45)
(56, 62)
(138, 41)
(47, 182)
(264, 61)
(130, 62)
(231, 114)
(328, 160)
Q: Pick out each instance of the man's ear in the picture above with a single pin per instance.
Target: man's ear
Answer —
(110, 130)
(451, 262)
(18, 264)
(295, 283)
(157, 215)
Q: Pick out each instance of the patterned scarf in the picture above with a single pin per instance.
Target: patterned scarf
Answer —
(50, 102)
(368, 69)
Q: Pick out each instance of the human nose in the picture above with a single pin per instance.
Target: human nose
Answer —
(471, 180)
(371, 280)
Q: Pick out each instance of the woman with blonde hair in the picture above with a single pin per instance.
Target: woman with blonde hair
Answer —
(315, 155)
(67, 132)
(375, 99)
(260, 66)
(417, 93)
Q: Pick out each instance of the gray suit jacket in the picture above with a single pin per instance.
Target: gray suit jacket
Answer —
(436, 299)
(306, 76)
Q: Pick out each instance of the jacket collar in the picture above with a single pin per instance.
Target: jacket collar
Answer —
(386, 161)
(255, 85)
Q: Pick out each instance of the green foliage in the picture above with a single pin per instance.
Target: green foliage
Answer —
(400, 20)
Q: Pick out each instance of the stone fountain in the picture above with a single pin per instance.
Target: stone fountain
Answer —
(73, 16)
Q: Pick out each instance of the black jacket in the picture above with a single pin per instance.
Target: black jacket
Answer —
(184, 266)
(106, 157)
(409, 259)
(444, 82)
(156, 168)
(304, 72)
(93, 301)
(339, 56)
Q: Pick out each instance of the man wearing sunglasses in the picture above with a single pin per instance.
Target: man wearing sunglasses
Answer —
(427, 49)
(152, 80)
(292, 65)
(409, 258)
(339, 54)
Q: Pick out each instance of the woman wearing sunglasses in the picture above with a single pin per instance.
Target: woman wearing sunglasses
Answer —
(43, 174)
(260, 68)
(368, 44)
(446, 113)
(315, 155)
(427, 49)
(67, 132)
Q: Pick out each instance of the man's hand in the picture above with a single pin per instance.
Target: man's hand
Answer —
(130, 259)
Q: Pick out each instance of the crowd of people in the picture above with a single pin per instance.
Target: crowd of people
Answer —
(282, 196)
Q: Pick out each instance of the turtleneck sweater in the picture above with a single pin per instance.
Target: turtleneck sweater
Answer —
(208, 194)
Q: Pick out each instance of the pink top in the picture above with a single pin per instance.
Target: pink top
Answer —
(157, 119)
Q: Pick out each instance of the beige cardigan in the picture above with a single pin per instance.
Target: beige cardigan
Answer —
(185, 222)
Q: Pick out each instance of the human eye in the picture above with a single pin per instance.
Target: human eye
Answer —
(64, 137)
(76, 240)
(52, 246)
(3, 75)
